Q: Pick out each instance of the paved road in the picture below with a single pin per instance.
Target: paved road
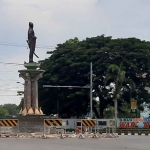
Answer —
(121, 143)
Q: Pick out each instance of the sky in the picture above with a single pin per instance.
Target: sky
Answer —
(56, 21)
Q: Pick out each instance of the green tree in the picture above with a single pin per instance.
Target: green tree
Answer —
(3, 113)
(11, 108)
(69, 64)
(117, 75)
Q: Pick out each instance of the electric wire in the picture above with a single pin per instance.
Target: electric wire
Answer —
(23, 45)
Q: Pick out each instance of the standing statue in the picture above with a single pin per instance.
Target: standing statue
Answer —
(31, 42)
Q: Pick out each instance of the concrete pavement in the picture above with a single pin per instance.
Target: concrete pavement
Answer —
(121, 143)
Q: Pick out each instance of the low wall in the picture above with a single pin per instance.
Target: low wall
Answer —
(36, 124)
(31, 124)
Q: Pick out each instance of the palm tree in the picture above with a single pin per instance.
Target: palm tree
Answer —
(117, 75)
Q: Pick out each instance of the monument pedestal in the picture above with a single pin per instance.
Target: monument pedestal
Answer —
(31, 76)
(31, 123)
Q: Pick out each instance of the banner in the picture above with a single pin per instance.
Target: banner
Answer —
(134, 125)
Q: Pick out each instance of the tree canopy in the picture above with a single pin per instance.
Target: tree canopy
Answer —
(3, 113)
(12, 109)
(69, 64)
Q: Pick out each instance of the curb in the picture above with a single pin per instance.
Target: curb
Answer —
(136, 134)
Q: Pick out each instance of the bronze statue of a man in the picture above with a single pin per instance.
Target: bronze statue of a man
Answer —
(31, 41)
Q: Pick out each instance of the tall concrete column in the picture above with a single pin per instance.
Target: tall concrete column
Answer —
(28, 91)
(31, 76)
(35, 90)
(25, 95)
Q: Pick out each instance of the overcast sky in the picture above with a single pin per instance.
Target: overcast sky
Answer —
(56, 21)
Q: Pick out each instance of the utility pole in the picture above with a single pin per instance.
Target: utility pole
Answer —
(81, 87)
(58, 107)
(91, 86)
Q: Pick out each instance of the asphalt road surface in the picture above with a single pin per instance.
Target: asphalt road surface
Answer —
(121, 143)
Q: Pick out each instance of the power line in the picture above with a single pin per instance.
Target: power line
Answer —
(84, 87)
(8, 95)
(13, 80)
(6, 71)
(23, 45)
(10, 63)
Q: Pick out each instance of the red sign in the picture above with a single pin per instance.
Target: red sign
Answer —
(127, 124)
(133, 104)
(138, 119)
(134, 124)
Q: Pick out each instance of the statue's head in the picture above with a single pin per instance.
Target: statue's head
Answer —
(30, 24)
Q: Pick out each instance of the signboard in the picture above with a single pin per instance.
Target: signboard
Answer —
(147, 119)
(112, 123)
(9, 122)
(78, 123)
(64, 123)
(127, 125)
(88, 122)
(102, 123)
(125, 119)
(53, 122)
(134, 123)
(133, 105)
(88, 114)
(134, 119)
(138, 119)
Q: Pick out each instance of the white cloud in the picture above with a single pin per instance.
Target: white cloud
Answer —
(127, 18)
(54, 19)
